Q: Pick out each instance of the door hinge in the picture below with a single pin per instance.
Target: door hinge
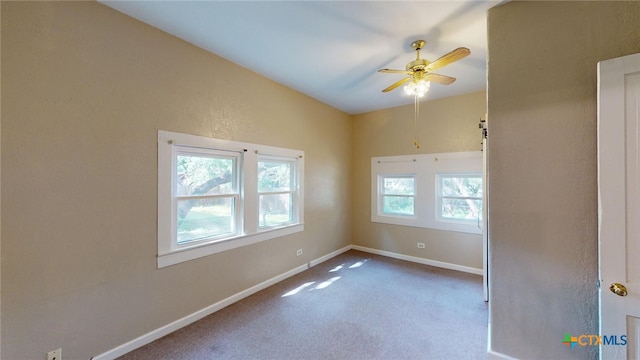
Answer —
(482, 125)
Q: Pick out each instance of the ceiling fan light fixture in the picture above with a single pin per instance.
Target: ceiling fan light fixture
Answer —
(417, 88)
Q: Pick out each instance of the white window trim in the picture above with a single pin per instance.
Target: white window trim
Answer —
(439, 197)
(295, 198)
(426, 167)
(237, 226)
(168, 251)
(381, 195)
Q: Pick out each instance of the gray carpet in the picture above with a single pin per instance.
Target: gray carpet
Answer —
(354, 306)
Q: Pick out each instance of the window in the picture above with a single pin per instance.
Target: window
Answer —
(216, 195)
(460, 197)
(440, 191)
(397, 195)
(277, 197)
(207, 196)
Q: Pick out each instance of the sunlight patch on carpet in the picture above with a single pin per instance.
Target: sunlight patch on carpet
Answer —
(298, 289)
(324, 284)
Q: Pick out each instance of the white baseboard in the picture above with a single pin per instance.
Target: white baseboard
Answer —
(492, 355)
(415, 259)
(180, 323)
(322, 259)
(189, 319)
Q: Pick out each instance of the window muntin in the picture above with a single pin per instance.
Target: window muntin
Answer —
(397, 194)
(459, 197)
(277, 192)
(206, 200)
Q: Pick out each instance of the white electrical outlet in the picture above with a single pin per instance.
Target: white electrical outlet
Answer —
(54, 354)
(299, 252)
(420, 245)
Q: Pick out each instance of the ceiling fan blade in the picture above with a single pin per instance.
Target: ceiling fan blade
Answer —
(447, 59)
(396, 84)
(440, 79)
(391, 71)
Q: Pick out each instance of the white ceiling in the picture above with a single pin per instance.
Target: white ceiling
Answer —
(331, 50)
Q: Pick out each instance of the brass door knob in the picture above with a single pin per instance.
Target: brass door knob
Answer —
(618, 289)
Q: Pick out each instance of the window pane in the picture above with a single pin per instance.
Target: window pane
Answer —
(400, 205)
(462, 186)
(203, 175)
(463, 209)
(274, 176)
(204, 218)
(275, 209)
(399, 185)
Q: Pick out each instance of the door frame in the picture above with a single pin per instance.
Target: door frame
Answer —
(612, 196)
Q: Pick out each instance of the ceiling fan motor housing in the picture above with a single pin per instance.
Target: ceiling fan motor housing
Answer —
(418, 64)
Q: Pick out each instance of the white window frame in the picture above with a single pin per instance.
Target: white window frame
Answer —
(440, 197)
(293, 191)
(169, 143)
(382, 194)
(235, 195)
(426, 167)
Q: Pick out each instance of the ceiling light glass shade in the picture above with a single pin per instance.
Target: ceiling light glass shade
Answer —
(418, 88)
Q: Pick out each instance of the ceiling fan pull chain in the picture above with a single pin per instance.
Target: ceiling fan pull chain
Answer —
(416, 105)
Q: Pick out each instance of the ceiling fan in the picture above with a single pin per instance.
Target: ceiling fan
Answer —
(419, 70)
(420, 77)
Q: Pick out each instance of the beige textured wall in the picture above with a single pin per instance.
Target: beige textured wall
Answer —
(447, 125)
(542, 89)
(84, 90)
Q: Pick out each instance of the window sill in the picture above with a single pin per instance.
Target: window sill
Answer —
(470, 228)
(200, 250)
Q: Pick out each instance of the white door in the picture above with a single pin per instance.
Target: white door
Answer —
(619, 205)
